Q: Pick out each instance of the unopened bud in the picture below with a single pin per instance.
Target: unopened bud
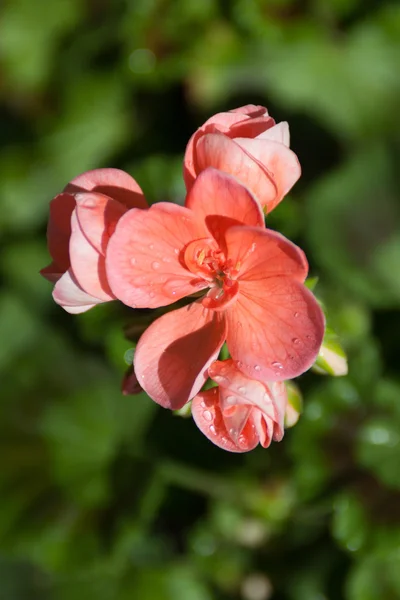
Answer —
(294, 405)
(332, 358)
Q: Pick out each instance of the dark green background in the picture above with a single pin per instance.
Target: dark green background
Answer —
(109, 497)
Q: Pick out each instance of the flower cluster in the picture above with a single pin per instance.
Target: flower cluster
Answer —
(244, 283)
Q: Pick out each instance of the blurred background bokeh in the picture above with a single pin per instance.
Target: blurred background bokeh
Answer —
(109, 497)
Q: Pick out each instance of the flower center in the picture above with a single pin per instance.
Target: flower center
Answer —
(206, 260)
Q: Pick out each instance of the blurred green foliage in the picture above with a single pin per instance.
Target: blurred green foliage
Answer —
(108, 497)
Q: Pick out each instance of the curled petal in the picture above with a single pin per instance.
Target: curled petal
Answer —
(261, 253)
(111, 182)
(98, 216)
(59, 229)
(280, 161)
(278, 133)
(219, 151)
(87, 264)
(216, 194)
(251, 128)
(68, 294)
(275, 328)
(174, 353)
(145, 255)
(252, 110)
(238, 390)
(208, 417)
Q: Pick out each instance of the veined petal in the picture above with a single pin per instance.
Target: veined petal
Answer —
(208, 417)
(219, 151)
(68, 294)
(111, 182)
(275, 328)
(98, 216)
(280, 161)
(216, 194)
(173, 355)
(87, 264)
(144, 267)
(59, 229)
(261, 253)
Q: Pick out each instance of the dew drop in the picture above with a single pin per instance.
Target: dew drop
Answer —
(202, 404)
(296, 341)
(212, 429)
(133, 261)
(239, 364)
(257, 368)
(241, 389)
(207, 415)
(152, 294)
(155, 265)
(309, 337)
(296, 314)
(151, 246)
(224, 440)
(242, 440)
(230, 400)
(232, 431)
(166, 259)
(277, 365)
(176, 250)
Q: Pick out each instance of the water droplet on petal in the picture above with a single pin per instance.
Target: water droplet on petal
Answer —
(88, 202)
(176, 250)
(241, 389)
(309, 337)
(296, 314)
(242, 440)
(212, 429)
(155, 265)
(230, 400)
(277, 365)
(151, 246)
(152, 294)
(257, 368)
(239, 364)
(202, 404)
(207, 415)
(296, 341)
(133, 261)
(166, 259)
(224, 440)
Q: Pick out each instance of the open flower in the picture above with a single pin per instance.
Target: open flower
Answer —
(251, 279)
(82, 219)
(246, 143)
(241, 412)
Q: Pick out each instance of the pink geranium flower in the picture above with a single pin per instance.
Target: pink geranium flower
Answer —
(82, 218)
(241, 412)
(247, 143)
(252, 284)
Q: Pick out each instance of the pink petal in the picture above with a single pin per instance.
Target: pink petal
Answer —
(111, 182)
(252, 110)
(144, 255)
(275, 328)
(216, 194)
(98, 216)
(173, 355)
(87, 265)
(219, 151)
(68, 294)
(59, 229)
(251, 128)
(238, 389)
(280, 161)
(261, 253)
(208, 418)
(278, 133)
